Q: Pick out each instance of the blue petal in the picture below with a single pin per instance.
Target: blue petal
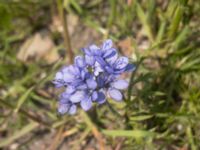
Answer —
(110, 78)
(86, 51)
(109, 53)
(107, 44)
(89, 60)
(130, 67)
(100, 61)
(83, 74)
(83, 86)
(63, 108)
(95, 50)
(88, 75)
(121, 63)
(100, 81)
(120, 84)
(68, 77)
(97, 69)
(80, 62)
(112, 60)
(76, 82)
(109, 69)
(86, 103)
(101, 98)
(65, 69)
(70, 73)
(59, 76)
(72, 110)
(70, 89)
(91, 83)
(58, 80)
(64, 96)
(115, 94)
(64, 99)
(73, 70)
(94, 95)
(118, 72)
(77, 96)
(93, 47)
(58, 84)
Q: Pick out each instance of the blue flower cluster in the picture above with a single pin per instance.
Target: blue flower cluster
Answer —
(92, 77)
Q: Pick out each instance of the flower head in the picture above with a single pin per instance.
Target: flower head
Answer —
(92, 78)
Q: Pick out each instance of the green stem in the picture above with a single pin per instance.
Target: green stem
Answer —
(132, 80)
(67, 42)
(113, 110)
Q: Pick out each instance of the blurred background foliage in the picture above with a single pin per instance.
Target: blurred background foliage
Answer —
(162, 105)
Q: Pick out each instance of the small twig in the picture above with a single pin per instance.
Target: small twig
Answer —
(77, 144)
(67, 42)
(70, 132)
(57, 140)
(119, 145)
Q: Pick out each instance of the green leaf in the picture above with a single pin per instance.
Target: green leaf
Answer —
(76, 6)
(128, 133)
(140, 118)
(161, 31)
(5, 17)
(143, 18)
(23, 98)
(176, 19)
(112, 15)
(181, 37)
(191, 138)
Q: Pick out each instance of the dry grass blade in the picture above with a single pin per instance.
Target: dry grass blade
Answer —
(70, 132)
(67, 42)
(18, 134)
(95, 131)
(27, 114)
(57, 140)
